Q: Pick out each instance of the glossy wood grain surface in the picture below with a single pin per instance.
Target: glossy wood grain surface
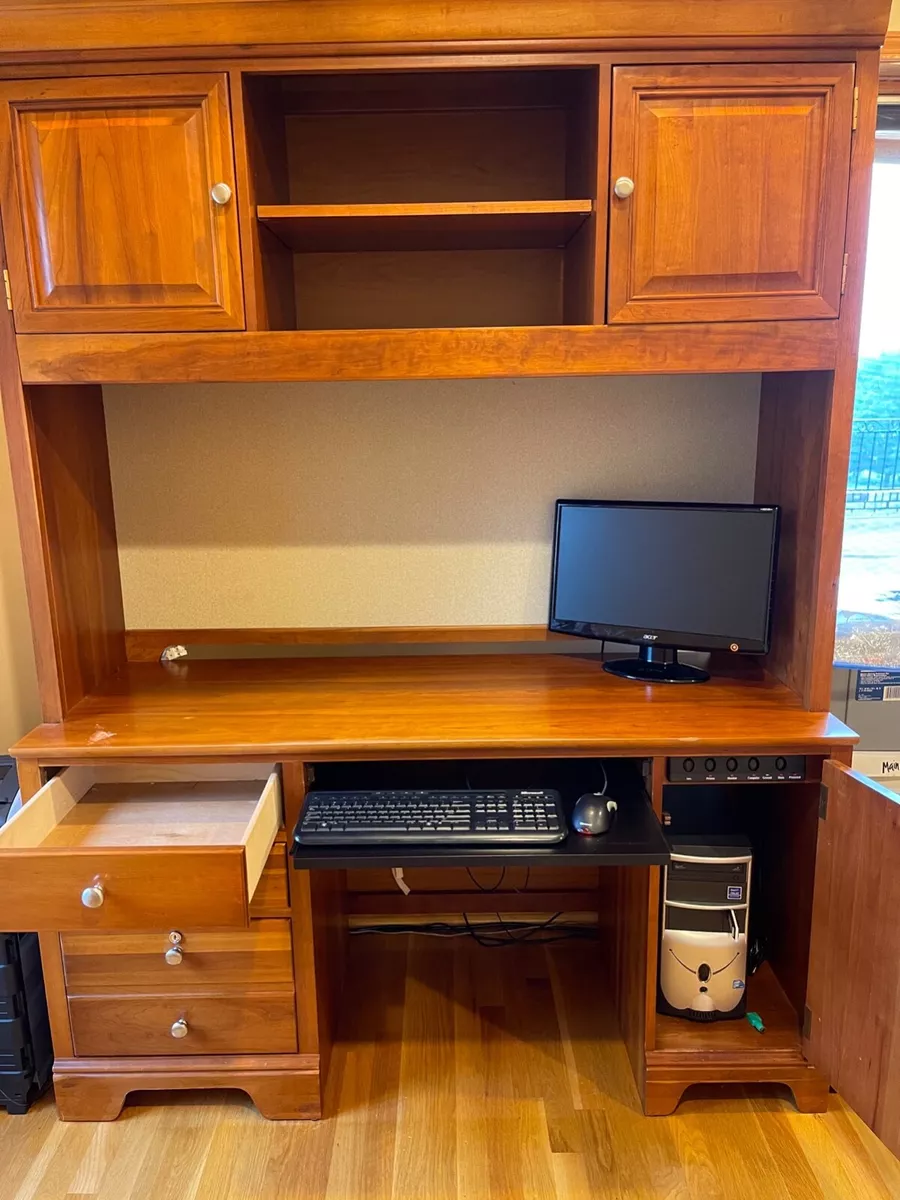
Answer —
(427, 353)
(740, 196)
(399, 707)
(110, 222)
(255, 1022)
(108, 963)
(521, 1090)
(50, 27)
(854, 973)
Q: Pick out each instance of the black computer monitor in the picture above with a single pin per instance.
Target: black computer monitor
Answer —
(664, 577)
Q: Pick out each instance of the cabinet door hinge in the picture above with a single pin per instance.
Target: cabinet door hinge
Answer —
(823, 803)
(8, 290)
(807, 1022)
(855, 108)
(844, 273)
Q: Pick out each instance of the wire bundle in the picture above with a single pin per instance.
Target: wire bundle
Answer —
(493, 934)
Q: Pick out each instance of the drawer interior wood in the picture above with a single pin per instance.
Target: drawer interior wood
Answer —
(158, 814)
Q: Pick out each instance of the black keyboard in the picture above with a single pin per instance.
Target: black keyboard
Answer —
(503, 816)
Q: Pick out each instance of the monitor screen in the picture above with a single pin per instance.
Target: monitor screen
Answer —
(696, 576)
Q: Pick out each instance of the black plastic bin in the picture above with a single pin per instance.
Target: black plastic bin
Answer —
(26, 1053)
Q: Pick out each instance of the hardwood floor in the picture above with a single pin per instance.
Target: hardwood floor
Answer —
(463, 1072)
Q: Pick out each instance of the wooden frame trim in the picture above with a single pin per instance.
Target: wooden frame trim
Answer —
(537, 351)
(29, 512)
(890, 54)
(95, 26)
(286, 60)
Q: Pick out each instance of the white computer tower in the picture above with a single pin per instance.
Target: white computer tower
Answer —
(704, 920)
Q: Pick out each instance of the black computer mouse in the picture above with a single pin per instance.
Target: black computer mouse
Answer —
(593, 813)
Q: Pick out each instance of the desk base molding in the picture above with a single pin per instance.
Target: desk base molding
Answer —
(664, 1086)
(282, 1087)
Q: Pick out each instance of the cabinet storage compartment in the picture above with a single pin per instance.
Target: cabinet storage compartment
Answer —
(740, 176)
(781, 821)
(455, 198)
(118, 204)
(100, 848)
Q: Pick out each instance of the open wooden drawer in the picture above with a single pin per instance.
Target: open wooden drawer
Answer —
(140, 847)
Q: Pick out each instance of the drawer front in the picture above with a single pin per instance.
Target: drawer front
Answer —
(150, 889)
(201, 962)
(271, 896)
(127, 1026)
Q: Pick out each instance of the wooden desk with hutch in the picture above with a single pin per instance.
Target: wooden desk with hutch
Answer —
(259, 191)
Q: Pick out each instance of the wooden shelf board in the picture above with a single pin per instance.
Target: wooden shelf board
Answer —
(470, 353)
(146, 645)
(423, 707)
(735, 1039)
(488, 225)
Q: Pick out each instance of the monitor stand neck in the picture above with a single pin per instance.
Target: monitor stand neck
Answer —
(656, 664)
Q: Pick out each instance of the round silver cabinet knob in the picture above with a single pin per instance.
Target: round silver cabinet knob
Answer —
(220, 192)
(623, 187)
(174, 955)
(92, 897)
(179, 1028)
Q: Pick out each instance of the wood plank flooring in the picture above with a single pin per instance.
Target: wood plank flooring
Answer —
(462, 1072)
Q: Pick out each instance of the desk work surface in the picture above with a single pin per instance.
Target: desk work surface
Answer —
(442, 707)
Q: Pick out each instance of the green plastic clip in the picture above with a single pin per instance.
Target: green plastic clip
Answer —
(756, 1021)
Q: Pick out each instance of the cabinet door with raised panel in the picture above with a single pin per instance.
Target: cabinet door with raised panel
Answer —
(119, 210)
(728, 191)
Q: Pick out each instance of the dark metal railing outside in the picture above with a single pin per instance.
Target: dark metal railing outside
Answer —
(875, 456)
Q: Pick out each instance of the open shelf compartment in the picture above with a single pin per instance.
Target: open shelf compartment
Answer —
(409, 200)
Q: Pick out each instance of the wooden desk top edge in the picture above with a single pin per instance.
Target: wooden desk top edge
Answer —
(422, 707)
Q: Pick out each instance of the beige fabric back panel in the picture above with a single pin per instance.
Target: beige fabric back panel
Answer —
(414, 503)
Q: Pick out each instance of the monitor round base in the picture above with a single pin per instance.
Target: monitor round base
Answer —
(656, 665)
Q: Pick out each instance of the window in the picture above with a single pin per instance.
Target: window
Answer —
(868, 626)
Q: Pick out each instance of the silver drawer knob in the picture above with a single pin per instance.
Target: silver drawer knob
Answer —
(179, 1029)
(623, 187)
(220, 192)
(92, 897)
(174, 956)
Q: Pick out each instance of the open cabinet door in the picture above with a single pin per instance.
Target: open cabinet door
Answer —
(853, 996)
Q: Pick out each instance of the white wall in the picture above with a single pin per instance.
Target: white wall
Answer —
(18, 683)
(394, 503)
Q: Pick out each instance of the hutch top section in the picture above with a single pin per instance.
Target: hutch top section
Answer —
(48, 28)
